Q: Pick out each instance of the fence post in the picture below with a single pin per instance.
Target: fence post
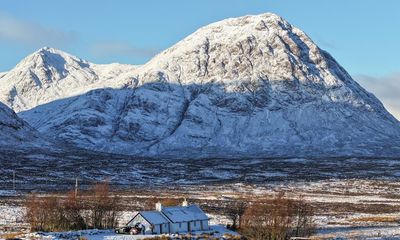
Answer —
(76, 187)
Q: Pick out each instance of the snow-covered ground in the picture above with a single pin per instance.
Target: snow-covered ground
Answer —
(384, 232)
(11, 215)
(216, 231)
(350, 208)
(58, 172)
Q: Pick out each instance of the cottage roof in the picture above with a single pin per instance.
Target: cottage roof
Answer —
(184, 213)
(154, 217)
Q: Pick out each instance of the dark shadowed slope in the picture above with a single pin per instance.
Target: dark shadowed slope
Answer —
(15, 133)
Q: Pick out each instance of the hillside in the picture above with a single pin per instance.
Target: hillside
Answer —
(253, 86)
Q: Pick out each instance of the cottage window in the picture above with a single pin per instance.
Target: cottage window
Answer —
(195, 223)
(180, 225)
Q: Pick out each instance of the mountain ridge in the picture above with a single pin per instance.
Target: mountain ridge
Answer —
(248, 86)
(50, 74)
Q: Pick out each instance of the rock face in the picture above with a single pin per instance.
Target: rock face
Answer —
(253, 86)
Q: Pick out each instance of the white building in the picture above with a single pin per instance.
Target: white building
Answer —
(178, 219)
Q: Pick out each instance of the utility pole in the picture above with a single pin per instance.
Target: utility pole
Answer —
(13, 179)
(76, 187)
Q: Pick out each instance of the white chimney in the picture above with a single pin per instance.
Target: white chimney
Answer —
(159, 206)
(184, 203)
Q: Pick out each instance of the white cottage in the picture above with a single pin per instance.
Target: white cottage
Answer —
(177, 219)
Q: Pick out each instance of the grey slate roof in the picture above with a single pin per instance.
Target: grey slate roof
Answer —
(184, 214)
(154, 217)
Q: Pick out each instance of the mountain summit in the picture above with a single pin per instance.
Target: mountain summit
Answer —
(247, 48)
(262, 52)
(50, 74)
(253, 86)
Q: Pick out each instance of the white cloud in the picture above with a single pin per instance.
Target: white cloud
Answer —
(15, 30)
(105, 49)
(386, 88)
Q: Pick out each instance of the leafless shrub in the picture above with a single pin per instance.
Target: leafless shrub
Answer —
(43, 213)
(94, 209)
(103, 207)
(235, 210)
(279, 219)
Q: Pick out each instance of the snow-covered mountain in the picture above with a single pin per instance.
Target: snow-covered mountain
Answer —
(50, 74)
(242, 87)
(15, 133)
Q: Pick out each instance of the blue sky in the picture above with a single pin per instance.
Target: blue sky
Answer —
(363, 35)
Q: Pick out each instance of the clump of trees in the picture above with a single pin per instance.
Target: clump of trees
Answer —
(96, 208)
(277, 219)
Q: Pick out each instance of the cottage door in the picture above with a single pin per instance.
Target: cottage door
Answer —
(189, 227)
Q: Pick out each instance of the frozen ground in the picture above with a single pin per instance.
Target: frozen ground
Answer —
(385, 232)
(350, 209)
(216, 231)
(58, 171)
(352, 197)
(11, 214)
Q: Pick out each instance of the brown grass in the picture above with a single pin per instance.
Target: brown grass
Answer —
(10, 235)
(157, 238)
(336, 223)
(386, 219)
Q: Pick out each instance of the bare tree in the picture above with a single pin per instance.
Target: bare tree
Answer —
(97, 209)
(103, 206)
(33, 212)
(44, 214)
(277, 219)
(235, 211)
(73, 210)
